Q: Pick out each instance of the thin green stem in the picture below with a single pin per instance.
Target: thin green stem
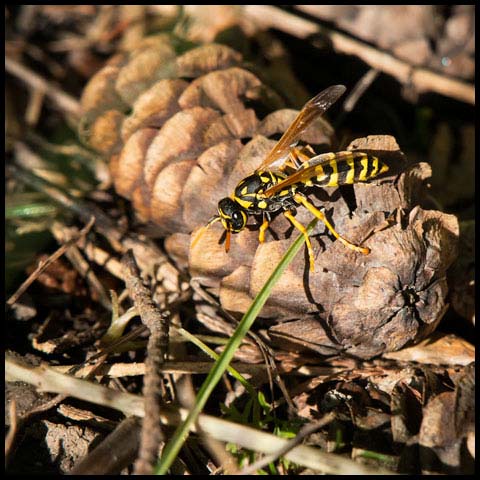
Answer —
(181, 433)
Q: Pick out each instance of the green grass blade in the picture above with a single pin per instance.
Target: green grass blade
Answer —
(31, 210)
(212, 354)
(181, 433)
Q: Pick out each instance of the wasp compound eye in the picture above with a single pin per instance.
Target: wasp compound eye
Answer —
(238, 220)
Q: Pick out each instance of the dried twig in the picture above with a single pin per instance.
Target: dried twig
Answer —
(47, 379)
(359, 89)
(115, 452)
(66, 102)
(118, 370)
(103, 258)
(81, 265)
(51, 259)
(158, 325)
(88, 416)
(422, 79)
(12, 432)
(34, 108)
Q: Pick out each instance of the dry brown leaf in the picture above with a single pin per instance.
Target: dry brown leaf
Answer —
(438, 349)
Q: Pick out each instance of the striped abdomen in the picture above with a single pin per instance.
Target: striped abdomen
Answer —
(340, 168)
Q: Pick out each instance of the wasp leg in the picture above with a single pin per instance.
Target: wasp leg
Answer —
(290, 162)
(297, 157)
(262, 230)
(298, 198)
(302, 229)
(300, 155)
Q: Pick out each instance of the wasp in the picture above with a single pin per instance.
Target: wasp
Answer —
(288, 172)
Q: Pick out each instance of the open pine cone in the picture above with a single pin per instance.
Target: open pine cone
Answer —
(181, 129)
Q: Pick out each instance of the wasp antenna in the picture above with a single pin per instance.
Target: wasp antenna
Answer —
(214, 219)
(202, 230)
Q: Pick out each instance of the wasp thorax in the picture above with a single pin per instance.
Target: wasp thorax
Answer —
(232, 215)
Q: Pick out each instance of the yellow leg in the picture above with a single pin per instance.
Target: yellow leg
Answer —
(299, 155)
(302, 229)
(263, 228)
(298, 198)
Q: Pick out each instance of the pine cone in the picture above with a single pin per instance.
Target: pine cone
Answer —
(182, 129)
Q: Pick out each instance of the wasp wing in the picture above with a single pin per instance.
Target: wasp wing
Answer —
(314, 108)
(309, 169)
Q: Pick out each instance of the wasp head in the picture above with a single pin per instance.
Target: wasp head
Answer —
(232, 215)
(233, 218)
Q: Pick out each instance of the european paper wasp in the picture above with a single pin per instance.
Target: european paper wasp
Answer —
(288, 172)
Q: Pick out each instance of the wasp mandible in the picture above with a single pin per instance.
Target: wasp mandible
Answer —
(283, 179)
